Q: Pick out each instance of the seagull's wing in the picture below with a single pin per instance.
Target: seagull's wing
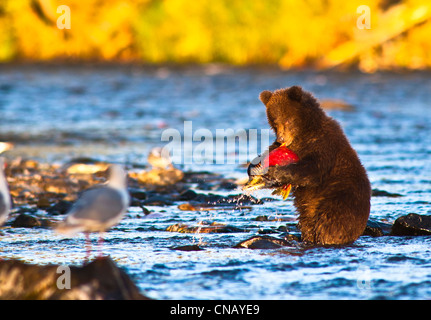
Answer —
(101, 204)
(4, 208)
(96, 210)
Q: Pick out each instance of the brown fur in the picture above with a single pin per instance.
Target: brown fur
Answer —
(332, 191)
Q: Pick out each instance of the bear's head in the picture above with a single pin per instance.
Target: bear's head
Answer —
(292, 113)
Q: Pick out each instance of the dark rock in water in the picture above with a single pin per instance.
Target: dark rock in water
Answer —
(61, 207)
(412, 225)
(377, 229)
(47, 223)
(98, 280)
(85, 165)
(209, 181)
(227, 185)
(212, 228)
(192, 247)
(189, 207)
(205, 186)
(43, 203)
(201, 177)
(135, 202)
(198, 206)
(223, 184)
(138, 193)
(200, 201)
(137, 196)
(26, 221)
(275, 218)
(266, 231)
(157, 201)
(292, 236)
(187, 195)
(84, 160)
(243, 199)
(383, 193)
(236, 199)
(262, 242)
(26, 210)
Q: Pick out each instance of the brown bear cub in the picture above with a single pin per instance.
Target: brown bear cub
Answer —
(331, 188)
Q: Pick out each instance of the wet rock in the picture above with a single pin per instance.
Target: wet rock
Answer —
(412, 225)
(187, 195)
(201, 177)
(138, 194)
(135, 202)
(160, 177)
(292, 236)
(187, 207)
(212, 228)
(205, 186)
(42, 184)
(84, 166)
(192, 247)
(226, 184)
(26, 210)
(243, 199)
(383, 193)
(266, 231)
(219, 184)
(275, 218)
(262, 242)
(217, 200)
(61, 207)
(98, 280)
(157, 201)
(64, 185)
(26, 221)
(377, 229)
(46, 223)
(200, 201)
(43, 203)
(179, 227)
(207, 207)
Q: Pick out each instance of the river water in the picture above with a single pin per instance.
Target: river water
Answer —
(118, 113)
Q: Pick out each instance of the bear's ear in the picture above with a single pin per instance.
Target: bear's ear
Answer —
(265, 96)
(295, 93)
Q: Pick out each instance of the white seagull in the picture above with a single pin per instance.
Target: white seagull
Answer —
(159, 158)
(4, 146)
(99, 209)
(5, 202)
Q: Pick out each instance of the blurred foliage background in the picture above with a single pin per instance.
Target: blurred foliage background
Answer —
(290, 33)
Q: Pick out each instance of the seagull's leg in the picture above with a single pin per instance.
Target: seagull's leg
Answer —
(100, 245)
(87, 247)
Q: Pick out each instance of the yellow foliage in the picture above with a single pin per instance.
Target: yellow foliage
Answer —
(290, 33)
